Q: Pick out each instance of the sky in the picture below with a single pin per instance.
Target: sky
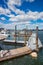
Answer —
(21, 13)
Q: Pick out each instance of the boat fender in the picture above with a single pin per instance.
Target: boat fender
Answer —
(34, 54)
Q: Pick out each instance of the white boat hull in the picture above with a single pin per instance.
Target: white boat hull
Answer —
(3, 36)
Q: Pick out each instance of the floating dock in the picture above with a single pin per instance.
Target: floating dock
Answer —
(12, 42)
(15, 53)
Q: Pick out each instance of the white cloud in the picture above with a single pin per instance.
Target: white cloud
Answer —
(41, 15)
(35, 15)
(15, 2)
(22, 15)
(27, 16)
(11, 4)
(14, 9)
(4, 11)
(11, 15)
(2, 18)
(7, 11)
(30, 1)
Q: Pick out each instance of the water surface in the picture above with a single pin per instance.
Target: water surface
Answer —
(27, 60)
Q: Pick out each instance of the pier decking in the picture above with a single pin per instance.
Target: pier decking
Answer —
(15, 53)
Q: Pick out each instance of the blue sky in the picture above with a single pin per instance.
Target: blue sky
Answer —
(21, 12)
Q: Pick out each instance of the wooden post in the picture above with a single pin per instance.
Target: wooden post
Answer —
(25, 37)
(37, 38)
(15, 33)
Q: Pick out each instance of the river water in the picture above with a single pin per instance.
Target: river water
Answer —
(26, 60)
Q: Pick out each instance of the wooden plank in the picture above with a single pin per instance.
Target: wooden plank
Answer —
(16, 53)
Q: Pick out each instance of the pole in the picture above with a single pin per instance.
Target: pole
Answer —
(25, 37)
(15, 33)
(37, 38)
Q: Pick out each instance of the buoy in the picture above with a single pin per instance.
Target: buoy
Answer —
(34, 54)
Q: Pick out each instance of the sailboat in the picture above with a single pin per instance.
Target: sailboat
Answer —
(34, 42)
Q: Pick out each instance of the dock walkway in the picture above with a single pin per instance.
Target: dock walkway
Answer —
(15, 53)
(12, 42)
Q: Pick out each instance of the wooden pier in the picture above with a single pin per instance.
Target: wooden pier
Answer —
(15, 53)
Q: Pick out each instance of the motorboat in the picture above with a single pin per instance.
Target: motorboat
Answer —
(3, 35)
